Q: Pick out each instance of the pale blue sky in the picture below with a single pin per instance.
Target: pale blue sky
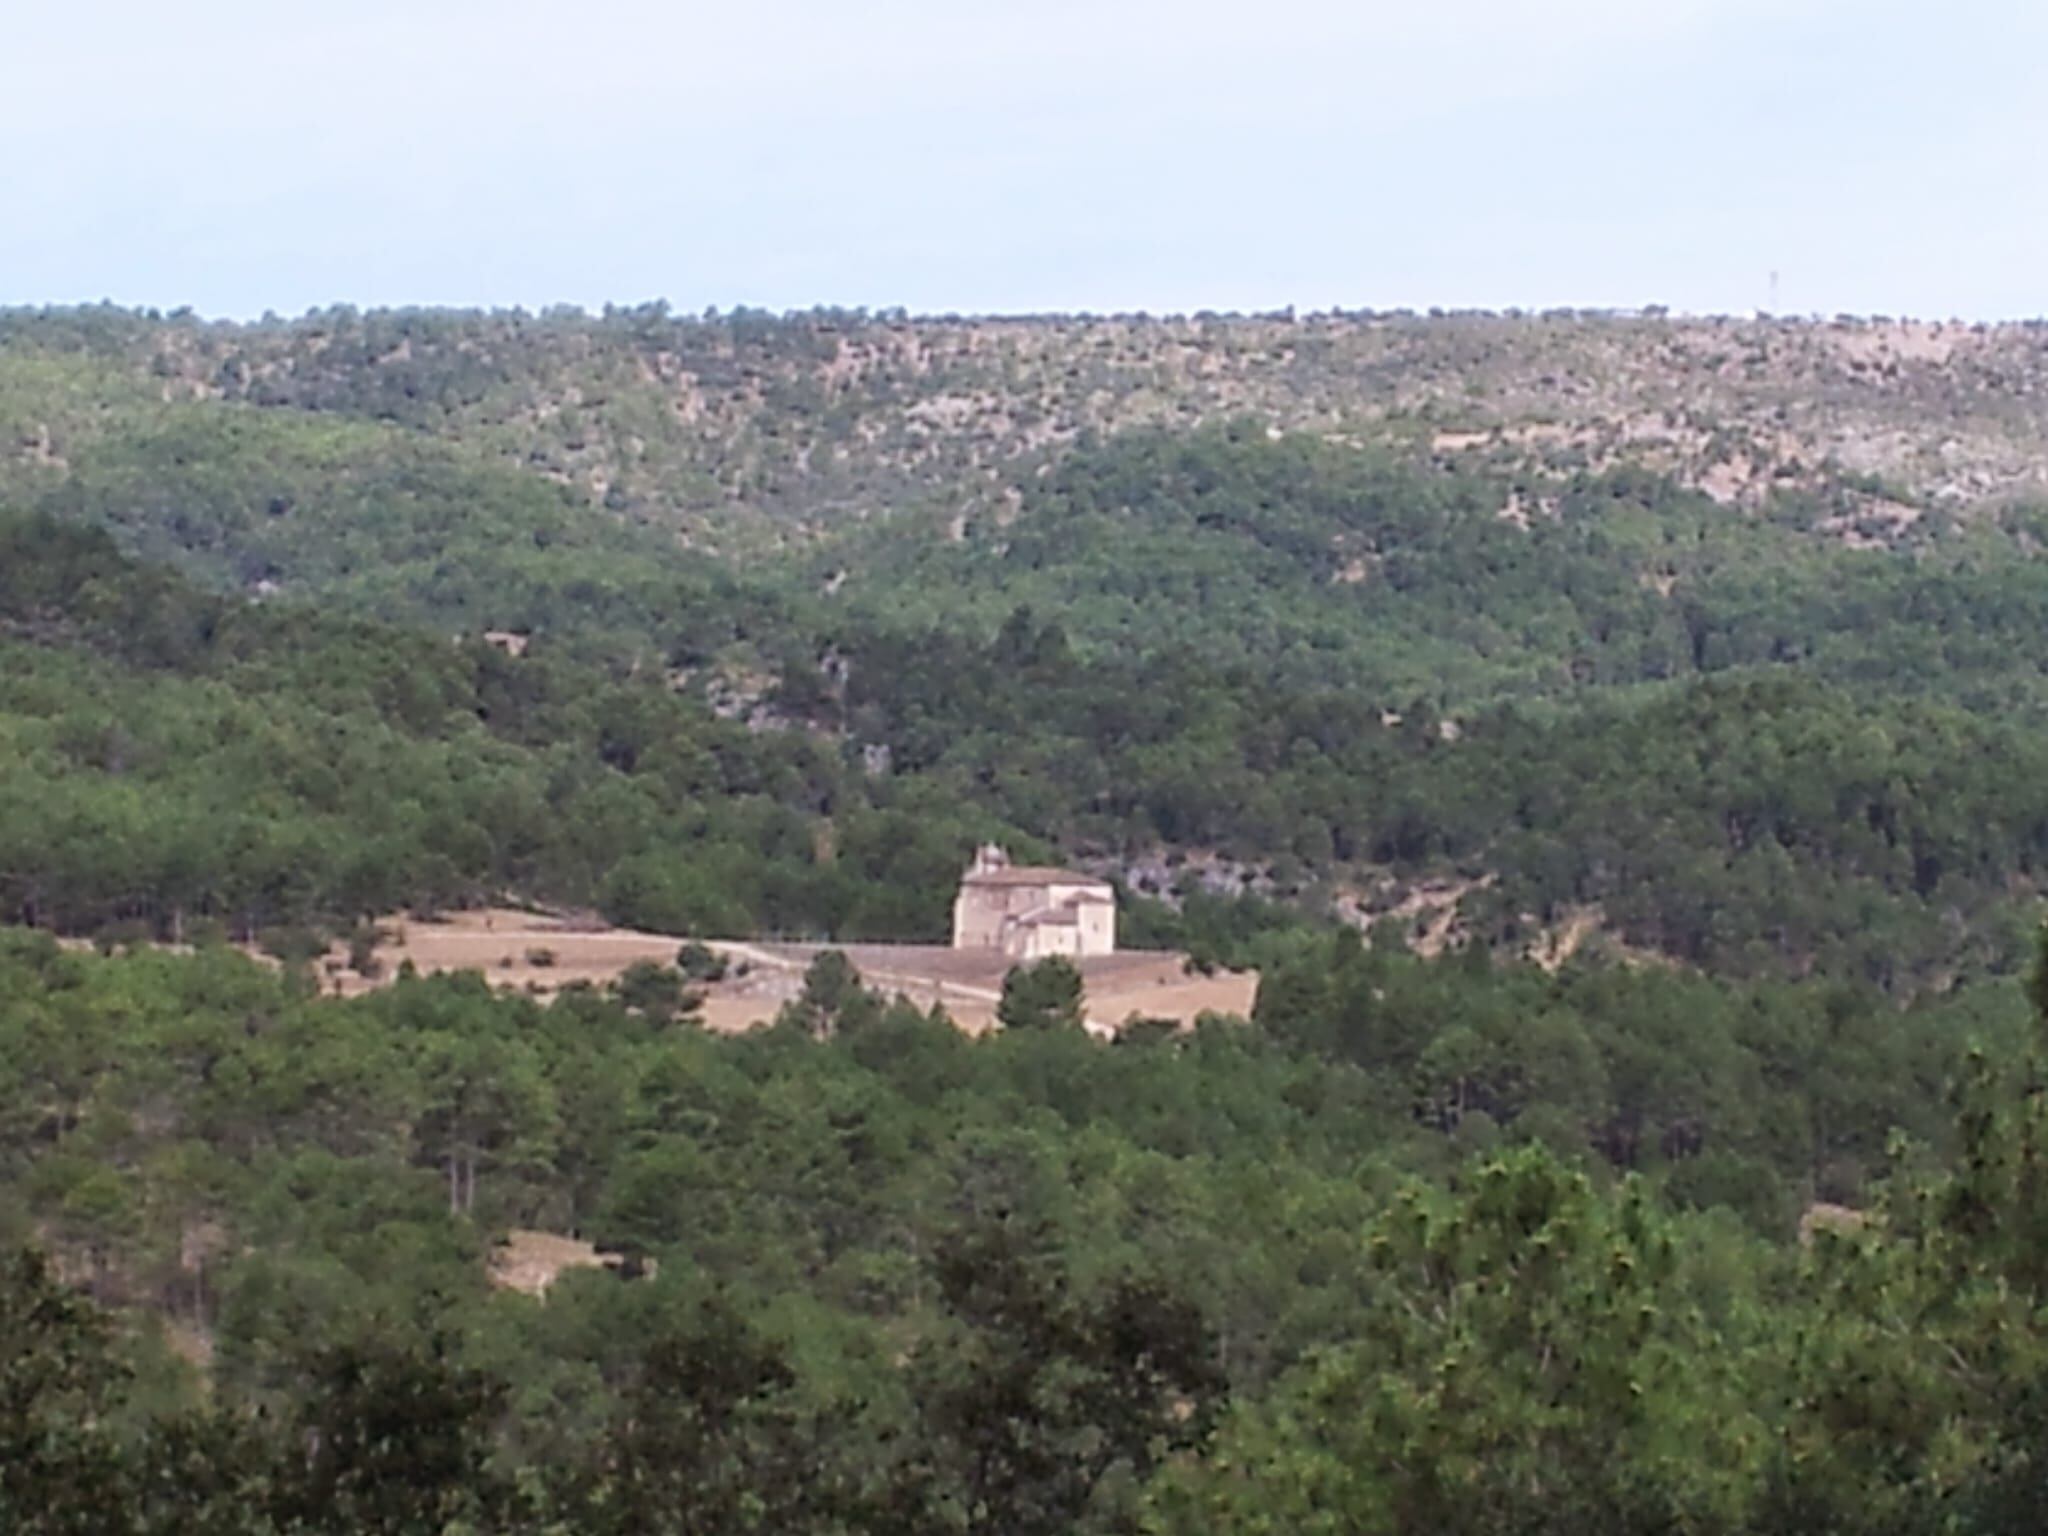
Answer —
(984, 155)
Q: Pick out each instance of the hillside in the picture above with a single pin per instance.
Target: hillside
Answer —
(1619, 746)
(1338, 610)
(171, 757)
(731, 428)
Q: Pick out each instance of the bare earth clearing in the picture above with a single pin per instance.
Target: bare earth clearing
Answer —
(530, 1262)
(539, 955)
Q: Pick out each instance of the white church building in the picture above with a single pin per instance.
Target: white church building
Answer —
(1031, 912)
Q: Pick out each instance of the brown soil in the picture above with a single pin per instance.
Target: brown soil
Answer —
(530, 1262)
(539, 955)
(1428, 908)
(1581, 926)
(968, 983)
(1556, 946)
(1823, 1216)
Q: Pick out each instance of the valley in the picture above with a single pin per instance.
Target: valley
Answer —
(482, 796)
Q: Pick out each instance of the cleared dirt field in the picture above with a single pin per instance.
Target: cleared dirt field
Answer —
(536, 954)
(530, 1262)
(1154, 984)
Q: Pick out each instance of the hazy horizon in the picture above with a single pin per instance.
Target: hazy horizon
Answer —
(1051, 159)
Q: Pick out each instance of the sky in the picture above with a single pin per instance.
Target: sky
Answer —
(985, 156)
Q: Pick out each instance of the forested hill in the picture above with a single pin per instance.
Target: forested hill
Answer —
(746, 424)
(1685, 684)
(1723, 640)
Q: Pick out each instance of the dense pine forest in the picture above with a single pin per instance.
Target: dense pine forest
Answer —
(1620, 744)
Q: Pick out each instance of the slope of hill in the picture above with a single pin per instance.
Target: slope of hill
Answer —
(169, 756)
(1254, 619)
(738, 427)
(1342, 604)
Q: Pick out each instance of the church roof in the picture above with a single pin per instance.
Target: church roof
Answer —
(1027, 874)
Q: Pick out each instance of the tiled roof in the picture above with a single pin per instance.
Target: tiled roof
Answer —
(1025, 874)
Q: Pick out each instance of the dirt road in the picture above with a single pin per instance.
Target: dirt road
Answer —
(539, 955)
